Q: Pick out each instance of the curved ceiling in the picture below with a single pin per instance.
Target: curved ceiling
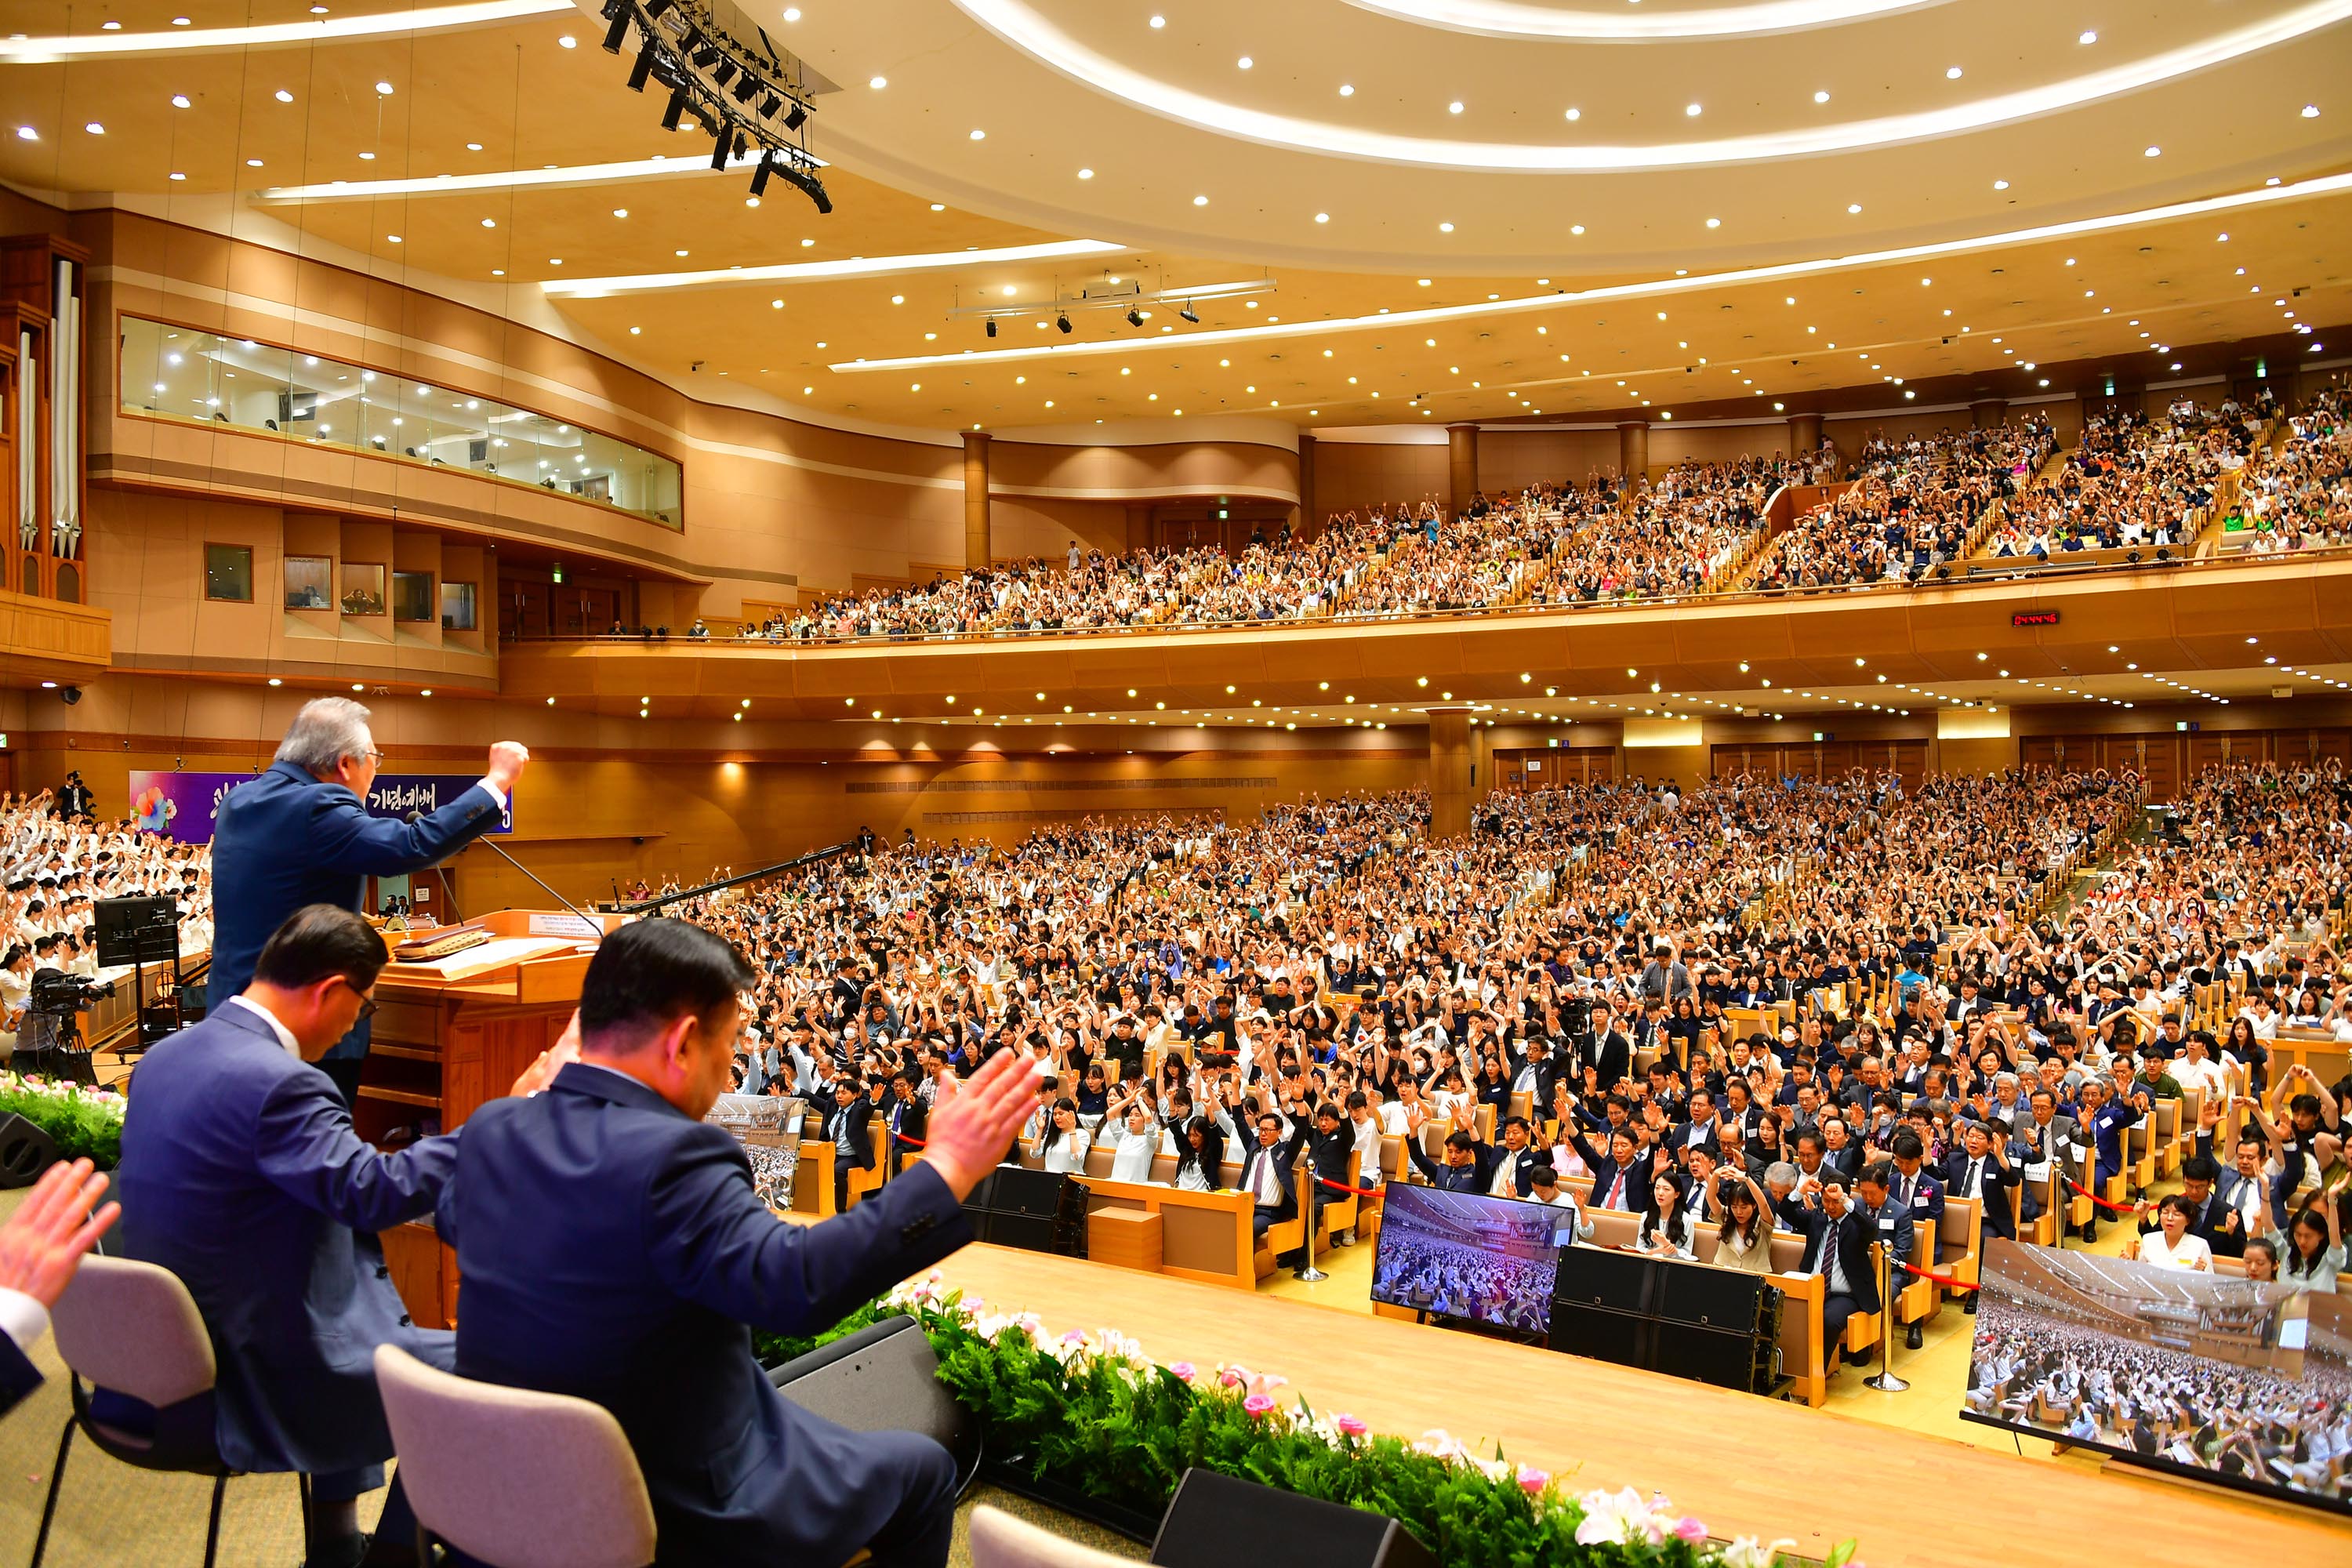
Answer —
(1841, 210)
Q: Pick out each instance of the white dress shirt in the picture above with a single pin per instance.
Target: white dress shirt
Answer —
(285, 1035)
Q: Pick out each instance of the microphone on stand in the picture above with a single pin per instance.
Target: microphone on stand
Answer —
(596, 931)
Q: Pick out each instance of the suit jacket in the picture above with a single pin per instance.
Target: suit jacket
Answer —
(1994, 1194)
(1851, 1235)
(1604, 1173)
(908, 1119)
(613, 1249)
(860, 1114)
(242, 1175)
(18, 1375)
(284, 840)
(1611, 1057)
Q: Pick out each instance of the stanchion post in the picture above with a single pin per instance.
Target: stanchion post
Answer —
(1306, 1270)
(1885, 1382)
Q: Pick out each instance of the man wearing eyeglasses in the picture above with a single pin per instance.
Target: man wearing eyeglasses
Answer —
(246, 1179)
(300, 834)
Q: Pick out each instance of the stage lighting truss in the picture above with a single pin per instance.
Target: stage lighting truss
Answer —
(752, 98)
(1129, 296)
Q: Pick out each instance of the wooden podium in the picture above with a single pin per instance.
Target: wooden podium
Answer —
(454, 1033)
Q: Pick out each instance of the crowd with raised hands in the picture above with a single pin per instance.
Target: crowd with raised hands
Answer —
(58, 860)
(1329, 973)
(2132, 480)
(1915, 505)
(2297, 495)
(1672, 538)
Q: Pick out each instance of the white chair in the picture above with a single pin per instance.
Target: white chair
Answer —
(1000, 1541)
(510, 1476)
(132, 1328)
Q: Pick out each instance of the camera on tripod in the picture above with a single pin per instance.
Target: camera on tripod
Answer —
(58, 995)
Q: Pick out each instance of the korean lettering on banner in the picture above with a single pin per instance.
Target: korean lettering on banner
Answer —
(185, 807)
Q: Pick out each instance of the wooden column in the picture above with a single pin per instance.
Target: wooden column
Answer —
(1451, 764)
(1311, 521)
(1986, 413)
(1462, 465)
(976, 542)
(1804, 433)
(1633, 451)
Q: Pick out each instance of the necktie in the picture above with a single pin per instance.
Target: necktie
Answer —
(1617, 1191)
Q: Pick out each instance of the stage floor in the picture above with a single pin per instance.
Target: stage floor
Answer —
(1744, 1464)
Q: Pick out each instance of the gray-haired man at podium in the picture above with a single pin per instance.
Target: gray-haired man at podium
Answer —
(301, 835)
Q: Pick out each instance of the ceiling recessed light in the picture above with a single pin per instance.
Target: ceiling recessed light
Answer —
(2153, 153)
(1158, 21)
(978, 134)
(877, 82)
(1951, 73)
(1853, 207)
(567, 42)
(2311, 111)
(1445, 229)
(1715, 223)
(1322, 218)
(253, 162)
(26, 133)
(1200, 201)
(1245, 62)
(1346, 90)
(2088, 38)
(2000, 185)
(282, 96)
(383, 88)
(1454, 107)
(179, 101)
(95, 129)
(620, 212)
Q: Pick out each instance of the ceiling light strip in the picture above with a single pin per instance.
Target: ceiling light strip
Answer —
(498, 180)
(822, 272)
(1505, 20)
(325, 31)
(2328, 184)
(1023, 28)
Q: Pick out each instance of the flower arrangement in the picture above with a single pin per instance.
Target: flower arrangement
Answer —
(1090, 1412)
(87, 1123)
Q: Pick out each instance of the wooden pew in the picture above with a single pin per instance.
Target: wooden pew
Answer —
(1958, 1247)
(812, 1178)
(871, 1179)
(1203, 1235)
(1284, 1235)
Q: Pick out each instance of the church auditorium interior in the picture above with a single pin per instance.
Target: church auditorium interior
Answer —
(1041, 782)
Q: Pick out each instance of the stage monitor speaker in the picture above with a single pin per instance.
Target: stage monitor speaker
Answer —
(1713, 1298)
(1728, 1358)
(1216, 1521)
(1604, 1277)
(1016, 1189)
(1623, 1339)
(1038, 1211)
(883, 1378)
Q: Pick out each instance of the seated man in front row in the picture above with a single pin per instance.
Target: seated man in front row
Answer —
(613, 1249)
(242, 1175)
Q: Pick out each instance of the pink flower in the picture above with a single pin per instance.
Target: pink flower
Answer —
(1073, 1338)
(1350, 1425)
(1532, 1481)
(1258, 1404)
(1184, 1369)
(1233, 1376)
(1690, 1530)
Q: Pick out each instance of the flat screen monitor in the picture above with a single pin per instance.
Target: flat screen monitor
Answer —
(1461, 1254)
(2205, 1375)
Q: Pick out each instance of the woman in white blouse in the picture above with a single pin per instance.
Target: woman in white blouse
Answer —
(1666, 1229)
(1744, 1240)
(1134, 1141)
(2173, 1246)
(1063, 1146)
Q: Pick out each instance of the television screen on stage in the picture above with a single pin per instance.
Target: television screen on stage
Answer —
(1461, 1254)
(2207, 1375)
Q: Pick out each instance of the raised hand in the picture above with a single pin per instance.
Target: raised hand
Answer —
(43, 1240)
(975, 1120)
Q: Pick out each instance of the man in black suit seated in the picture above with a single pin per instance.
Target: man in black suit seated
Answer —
(40, 1247)
(1469, 1164)
(844, 1127)
(614, 1249)
(1838, 1231)
(905, 1117)
(1267, 1174)
(1985, 1167)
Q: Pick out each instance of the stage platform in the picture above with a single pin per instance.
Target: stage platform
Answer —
(1745, 1465)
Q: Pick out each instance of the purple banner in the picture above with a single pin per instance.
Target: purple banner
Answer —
(182, 806)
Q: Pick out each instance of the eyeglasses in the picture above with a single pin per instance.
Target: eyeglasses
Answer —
(367, 1003)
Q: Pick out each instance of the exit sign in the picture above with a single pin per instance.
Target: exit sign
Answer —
(2034, 618)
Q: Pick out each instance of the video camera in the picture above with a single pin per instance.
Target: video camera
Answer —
(59, 994)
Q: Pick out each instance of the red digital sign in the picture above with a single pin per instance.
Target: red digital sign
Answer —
(2034, 618)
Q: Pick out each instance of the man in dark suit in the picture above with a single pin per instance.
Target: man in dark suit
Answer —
(299, 833)
(1838, 1234)
(613, 1249)
(1984, 1168)
(1608, 1053)
(242, 1175)
(905, 1117)
(1469, 1166)
(40, 1247)
(1620, 1178)
(848, 1127)
(1266, 1173)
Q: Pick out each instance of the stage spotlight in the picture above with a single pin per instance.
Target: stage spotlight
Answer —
(721, 74)
(676, 106)
(718, 149)
(1190, 314)
(655, 8)
(706, 54)
(760, 175)
(1134, 317)
(1062, 322)
(770, 104)
(745, 85)
(798, 117)
(992, 329)
(617, 34)
(643, 68)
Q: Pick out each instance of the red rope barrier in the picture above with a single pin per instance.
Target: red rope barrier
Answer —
(911, 1142)
(1946, 1281)
(1344, 1187)
(2110, 1207)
